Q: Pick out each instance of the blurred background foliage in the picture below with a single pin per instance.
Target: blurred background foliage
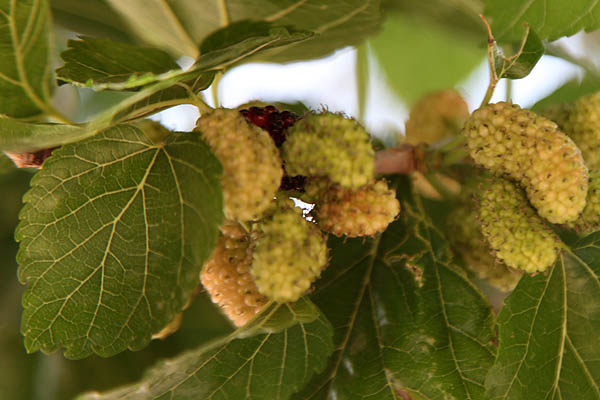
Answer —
(421, 46)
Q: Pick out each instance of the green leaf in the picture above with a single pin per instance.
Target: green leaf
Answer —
(271, 359)
(549, 347)
(215, 60)
(242, 30)
(520, 64)
(91, 62)
(570, 92)
(550, 19)
(6, 165)
(410, 51)
(20, 136)
(112, 236)
(24, 57)
(428, 335)
(179, 27)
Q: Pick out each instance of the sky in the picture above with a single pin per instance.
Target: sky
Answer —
(330, 82)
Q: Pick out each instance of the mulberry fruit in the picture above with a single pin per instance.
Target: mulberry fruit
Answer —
(251, 162)
(465, 236)
(226, 277)
(436, 116)
(589, 220)
(289, 253)
(332, 146)
(583, 126)
(517, 235)
(531, 150)
(364, 211)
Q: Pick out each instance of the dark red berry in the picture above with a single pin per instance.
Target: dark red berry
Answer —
(288, 118)
(270, 110)
(271, 120)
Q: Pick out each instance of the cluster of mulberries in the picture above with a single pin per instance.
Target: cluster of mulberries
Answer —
(269, 156)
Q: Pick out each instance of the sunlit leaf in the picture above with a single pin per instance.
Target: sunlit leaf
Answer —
(270, 359)
(90, 17)
(24, 57)
(179, 27)
(112, 237)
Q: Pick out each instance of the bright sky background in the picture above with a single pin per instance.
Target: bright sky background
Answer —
(331, 82)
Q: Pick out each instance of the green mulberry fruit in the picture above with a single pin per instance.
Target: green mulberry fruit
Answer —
(436, 116)
(464, 233)
(583, 126)
(531, 150)
(589, 220)
(364, 211)
(251, 163)
(517, 235)
(332, 146)
(226, 277)
(289, 253)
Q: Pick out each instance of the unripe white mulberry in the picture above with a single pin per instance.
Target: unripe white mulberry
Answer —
(329, 145)
(251, 163)
(226, 277)
(531, 150)
(289, 253)
(364, 211)
(583, 126)
(518, 236)
(436, 116)
(589, 220)
(464, 233)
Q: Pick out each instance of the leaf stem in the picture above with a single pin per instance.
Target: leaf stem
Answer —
(214, 89)
(395, 160)
(490, 55)
(201, 105)
(362, 79)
